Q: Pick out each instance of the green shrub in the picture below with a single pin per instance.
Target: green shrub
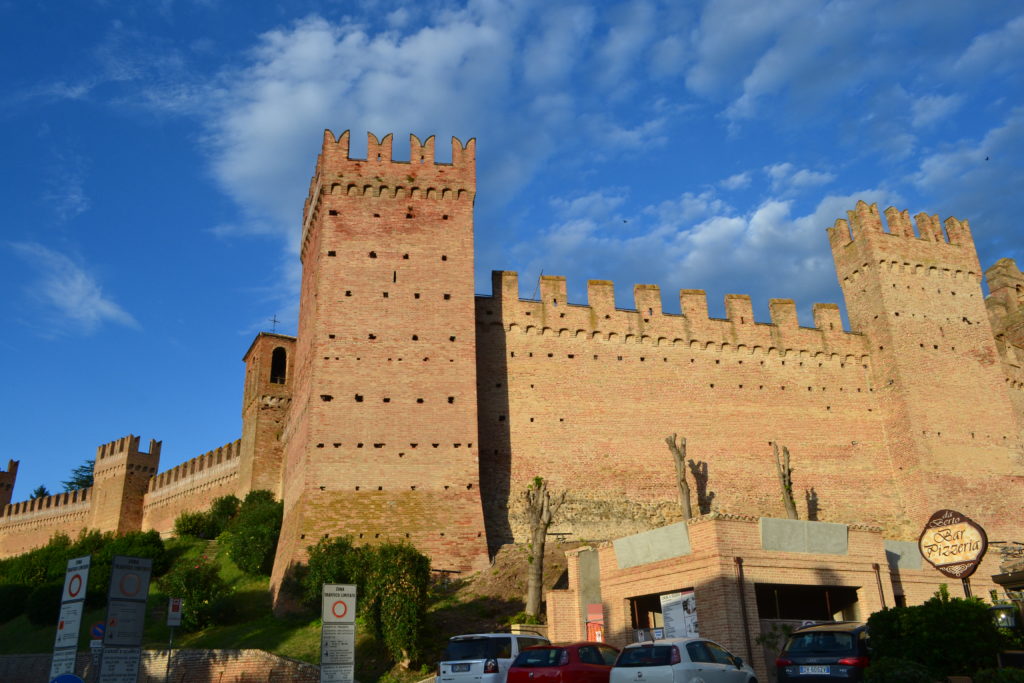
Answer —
(894, 670)
(222, 511)
(251, 538)
(396, 580)
(201, 589)
(42, 605)
(961, 630)
(196, 524)
(331, 560)
(12, 601)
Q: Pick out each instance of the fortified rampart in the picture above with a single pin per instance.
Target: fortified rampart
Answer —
(409, 409)
(190, 486)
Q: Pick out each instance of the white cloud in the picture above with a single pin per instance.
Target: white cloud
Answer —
(551, 54)
(736, 182)
(700, 241)
(999, 50)
(929, 109)
(980, 180)
(69, 298)
(786, 177)
(632, 29)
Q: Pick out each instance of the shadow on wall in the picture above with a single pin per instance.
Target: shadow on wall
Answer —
(495, 438)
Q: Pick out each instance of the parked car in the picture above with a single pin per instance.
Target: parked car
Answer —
(825, 652)
(483, 657)
(585, 662)
(680, 660)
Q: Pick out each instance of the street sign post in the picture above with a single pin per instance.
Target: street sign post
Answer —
(338, 634)
(69, 623)
(126, 614)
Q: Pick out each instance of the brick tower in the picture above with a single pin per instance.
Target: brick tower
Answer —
(268, 394)
(120, 480)
(954, 441)
(381, 439)
(7, 480)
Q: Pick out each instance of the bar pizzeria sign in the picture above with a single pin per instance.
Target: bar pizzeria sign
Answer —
(953, 543)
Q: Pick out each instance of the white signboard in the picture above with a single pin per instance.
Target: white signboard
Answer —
(174, 612)
(338, 634)
(120, 664)
(69, 623)
(126, 616)
(679, 611)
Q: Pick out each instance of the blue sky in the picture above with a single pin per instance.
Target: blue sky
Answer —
(157, 155)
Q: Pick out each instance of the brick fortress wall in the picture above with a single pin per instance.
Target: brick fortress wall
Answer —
(191, 486)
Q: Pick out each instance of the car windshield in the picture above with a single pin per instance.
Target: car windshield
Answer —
(476, 648)
(548, 656)
(820, 642)
(645, 655)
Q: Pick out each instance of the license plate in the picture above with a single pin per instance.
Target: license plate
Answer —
(459, 668)
(818, 670)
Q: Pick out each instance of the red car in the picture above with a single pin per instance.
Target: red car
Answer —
(573, 663)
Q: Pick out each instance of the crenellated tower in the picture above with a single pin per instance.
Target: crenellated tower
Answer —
(952, 430)
(7, 480)
(381, 439)
(121, 477)
(269, 366)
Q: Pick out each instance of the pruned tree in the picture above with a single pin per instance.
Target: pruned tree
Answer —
(785, 473)
(678, 448)
(541, 508)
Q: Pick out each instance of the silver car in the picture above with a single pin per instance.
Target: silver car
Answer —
(680, 660)
(483, 657)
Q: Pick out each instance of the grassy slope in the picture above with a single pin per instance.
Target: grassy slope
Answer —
(481, 603)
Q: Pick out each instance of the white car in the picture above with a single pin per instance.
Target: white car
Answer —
(483, 657)
(680, 660)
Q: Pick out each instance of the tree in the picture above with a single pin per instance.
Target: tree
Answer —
(785, 473)
(541, 508)
(81, 477)
(678, 448)
(39, 492)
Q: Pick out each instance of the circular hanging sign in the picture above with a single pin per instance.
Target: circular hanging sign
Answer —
(953, 543)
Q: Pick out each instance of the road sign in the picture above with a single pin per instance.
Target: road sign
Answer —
(338, 634)
(174, 612)
(126, 616)
(339, 604)
(97, 629)
(69, 621)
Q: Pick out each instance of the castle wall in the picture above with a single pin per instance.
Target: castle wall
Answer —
(191, 486)
(585, 396)
(30, 524)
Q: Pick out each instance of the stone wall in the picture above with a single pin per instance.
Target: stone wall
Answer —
(185, 666)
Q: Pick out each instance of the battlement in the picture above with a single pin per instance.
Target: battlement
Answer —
(55, 503)
(381, 175)
(862, 241)
(600, 319)
(198, 467)
(126, 445)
